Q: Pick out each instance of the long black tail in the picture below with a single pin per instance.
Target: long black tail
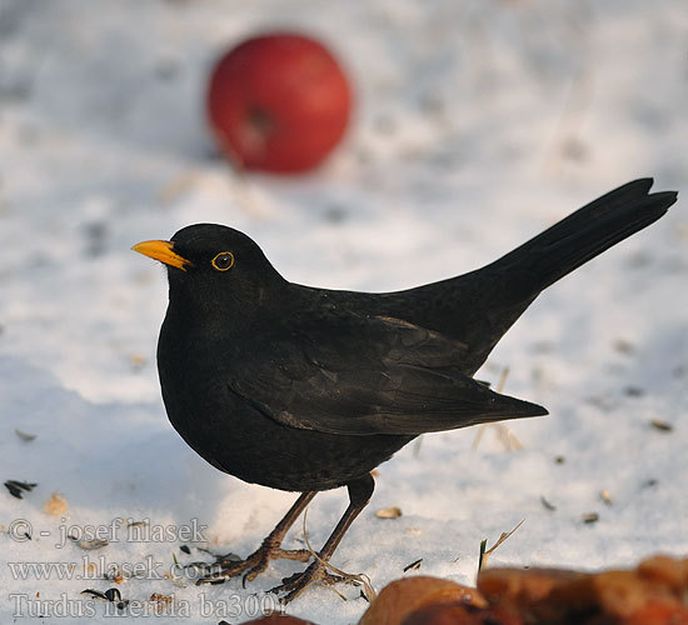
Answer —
(588, 232)
(489, 300)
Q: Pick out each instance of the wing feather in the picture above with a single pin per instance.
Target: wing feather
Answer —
(358, 375)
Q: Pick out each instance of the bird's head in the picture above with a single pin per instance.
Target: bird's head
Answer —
(209, 264)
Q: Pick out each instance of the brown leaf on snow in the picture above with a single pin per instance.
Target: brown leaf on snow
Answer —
(393, 512)
(56, 506)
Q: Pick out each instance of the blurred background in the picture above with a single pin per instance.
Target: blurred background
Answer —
(475, 124)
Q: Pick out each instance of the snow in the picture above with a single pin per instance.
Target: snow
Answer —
(478, 124)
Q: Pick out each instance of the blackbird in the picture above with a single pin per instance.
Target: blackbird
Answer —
(306, 389)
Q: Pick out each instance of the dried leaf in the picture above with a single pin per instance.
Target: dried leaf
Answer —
(162, 602)
(548, 505)
(93, 593)
(89, 544)
(393, 512)
(137, 361)
(25, 436)
(56, 506)
(606, 497)
(17, 488)
(624, 347)
(114, 595)
(662, 426)
(160, 598)
(137, 524)
(486, 552)
(414, 566)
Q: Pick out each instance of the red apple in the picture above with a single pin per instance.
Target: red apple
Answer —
(279, 102)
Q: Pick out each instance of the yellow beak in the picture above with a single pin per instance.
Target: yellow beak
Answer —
(162, 251)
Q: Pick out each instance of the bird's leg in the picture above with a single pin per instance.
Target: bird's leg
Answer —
(360, 491)
(270, 549)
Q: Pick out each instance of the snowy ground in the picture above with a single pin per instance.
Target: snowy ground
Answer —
(479, 123)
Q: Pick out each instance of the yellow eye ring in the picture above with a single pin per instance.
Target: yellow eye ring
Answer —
(223, 261)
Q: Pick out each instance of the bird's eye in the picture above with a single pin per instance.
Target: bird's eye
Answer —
(223, 261)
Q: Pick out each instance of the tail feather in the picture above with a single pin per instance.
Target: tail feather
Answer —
(518, 277)
(588, 232)
(480, 306)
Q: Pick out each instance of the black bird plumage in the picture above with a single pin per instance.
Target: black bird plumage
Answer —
(307, 389)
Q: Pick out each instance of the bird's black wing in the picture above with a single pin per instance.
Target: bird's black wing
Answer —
(360, 375)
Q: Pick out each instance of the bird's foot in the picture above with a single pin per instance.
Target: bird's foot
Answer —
(226, 567)
(316, 573)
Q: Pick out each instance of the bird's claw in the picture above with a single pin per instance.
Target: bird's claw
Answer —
(302, 555)
(225, 568)
(316, 573)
